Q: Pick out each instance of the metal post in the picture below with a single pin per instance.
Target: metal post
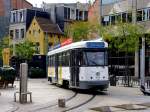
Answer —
(143, 63)
(23, 82)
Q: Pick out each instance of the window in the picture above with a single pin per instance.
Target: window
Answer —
(81, 15)
(17, 33)
(29, 31)
(11, 34)
(65, 13)
(63, 59)
(35, 33)
(14, 17)
(145, 13)
(129, 17)
(95, 58)
(139, 15)
(124, 17)
(148, 14)
(104, 2)
(21, 17)
(67, 57)
(22, 33)
(86, 15)
(113, 20)
(72, 12)
(118, 18)
(60, 60)
(37, 48)
(68, 13)
(77, 14)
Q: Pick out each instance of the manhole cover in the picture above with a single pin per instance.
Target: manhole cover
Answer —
(130, 107)
(102, 109)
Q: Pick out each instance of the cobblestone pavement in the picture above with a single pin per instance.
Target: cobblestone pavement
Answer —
(45, 97)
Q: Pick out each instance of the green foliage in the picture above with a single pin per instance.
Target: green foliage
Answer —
(123, 35)
(80, 30)
(25, 50)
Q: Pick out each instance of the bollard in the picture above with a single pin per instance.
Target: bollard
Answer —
(61, 103)
(23, 82)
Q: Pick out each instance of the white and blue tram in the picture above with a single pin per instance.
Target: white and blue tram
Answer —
(82, 65)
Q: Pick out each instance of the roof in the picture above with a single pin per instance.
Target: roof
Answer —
(28, 2)
(48, 26)
(82, 44)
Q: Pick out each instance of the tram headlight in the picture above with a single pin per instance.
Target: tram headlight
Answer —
(97, 74)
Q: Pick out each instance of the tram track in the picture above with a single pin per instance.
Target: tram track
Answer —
(70, 100)
(81, 104)
(79, 99)
(53, 105)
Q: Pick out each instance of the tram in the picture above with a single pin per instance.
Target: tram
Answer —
(80, 65)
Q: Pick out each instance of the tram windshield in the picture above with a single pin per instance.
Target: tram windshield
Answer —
(94, 58)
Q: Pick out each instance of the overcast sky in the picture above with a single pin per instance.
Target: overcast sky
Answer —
(39, 2)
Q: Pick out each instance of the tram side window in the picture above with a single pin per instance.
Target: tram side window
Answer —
(53, 60)
(60, 59)
(106, 58)
(67, 58)
(49, 61)
(63, 59)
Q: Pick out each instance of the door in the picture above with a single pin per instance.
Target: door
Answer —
(56, 68)
(74, 69)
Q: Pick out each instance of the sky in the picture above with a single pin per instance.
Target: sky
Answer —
(39, 2)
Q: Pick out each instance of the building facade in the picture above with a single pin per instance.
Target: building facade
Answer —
(44, 34)
(62, 13)
(5, 7)
(20, 21)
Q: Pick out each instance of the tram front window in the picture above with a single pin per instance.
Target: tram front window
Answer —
(95, 58)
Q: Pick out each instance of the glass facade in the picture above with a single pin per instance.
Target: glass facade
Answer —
(109, 1)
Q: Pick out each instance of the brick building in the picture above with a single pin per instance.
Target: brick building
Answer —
(94, 11)
(20, 4)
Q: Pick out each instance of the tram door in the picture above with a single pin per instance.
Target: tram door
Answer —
(56, 68)
(74, 68)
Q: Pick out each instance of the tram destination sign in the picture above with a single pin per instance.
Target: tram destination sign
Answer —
(95, 45)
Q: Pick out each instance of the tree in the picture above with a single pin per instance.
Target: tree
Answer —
(80, 30)
(124, 37)
(25, 50)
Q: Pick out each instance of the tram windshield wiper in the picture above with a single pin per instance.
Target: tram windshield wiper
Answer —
(93, 62)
